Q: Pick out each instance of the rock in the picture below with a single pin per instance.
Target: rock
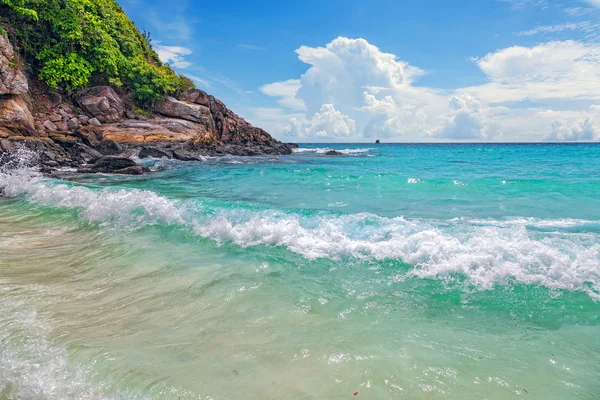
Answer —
(50, 126)
(73, 124)
(83, 119)
(153, 152)
(102, 103)
(55, 99)
(377, 141)
(61, 126)
(135, 170)
(65, 141)
(88, 136)
(172, 107)
(129, 114)
(94, 122)
(85, 153)
(161, 130)
(12, 78)
(184, 155)
(110, 164)
(197, 96)
(334, 153)
(141, 117)
(64, 115)
(55, 118)
(15, 113)
(109, 148)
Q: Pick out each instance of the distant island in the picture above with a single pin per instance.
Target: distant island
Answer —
(82, 86)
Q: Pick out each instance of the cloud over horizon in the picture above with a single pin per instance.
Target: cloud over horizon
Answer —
(353, 91)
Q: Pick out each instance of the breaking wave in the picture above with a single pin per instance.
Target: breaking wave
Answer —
(559, 254)
(324, 150)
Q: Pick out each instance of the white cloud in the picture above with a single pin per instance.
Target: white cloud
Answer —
(287, 91)
(174, 55)
(468, 119)
(585, 131)
(555, 70)
(326, 122)
(353, 91)
(557, 28)
(577, 11)
(595, 3)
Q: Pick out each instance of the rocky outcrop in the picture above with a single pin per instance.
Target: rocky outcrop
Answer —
(102, 103)
(96, 130)
(14, 108)
(15, 114)
(12, 78)
(174, 108)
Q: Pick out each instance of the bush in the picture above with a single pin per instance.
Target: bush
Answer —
(70, 43)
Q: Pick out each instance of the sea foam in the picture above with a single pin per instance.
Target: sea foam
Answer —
(486, 252)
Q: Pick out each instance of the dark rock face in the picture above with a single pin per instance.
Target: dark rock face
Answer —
(102, 103)
(110, 164)
(135, 170)
(147, 152)
(109, 148)
(334, 153)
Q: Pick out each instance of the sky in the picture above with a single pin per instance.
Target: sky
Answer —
(398, 71)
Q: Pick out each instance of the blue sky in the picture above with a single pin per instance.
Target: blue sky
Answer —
(325, 71)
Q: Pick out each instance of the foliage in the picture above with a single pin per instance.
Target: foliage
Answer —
(71, 43)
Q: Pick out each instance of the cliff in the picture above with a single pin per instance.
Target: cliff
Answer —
(74, 110)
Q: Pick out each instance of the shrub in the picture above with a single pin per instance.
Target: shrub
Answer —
(70, 43)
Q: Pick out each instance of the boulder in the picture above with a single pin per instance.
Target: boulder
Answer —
(153, 152)
(135, 170)
(61, 126)
(85, 153)
(49, 125)
(184, 155)
(102, 103)
(171, 107)
(94, 122)
(55, 99)
(12, 78)
(15, 113)
(334, 153)
(110, 164)
(83, 119)
(73, 124)
(197, 96)
(55, 118)
(109, 148)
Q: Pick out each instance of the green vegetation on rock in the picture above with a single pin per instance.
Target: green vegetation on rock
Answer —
(74, 43)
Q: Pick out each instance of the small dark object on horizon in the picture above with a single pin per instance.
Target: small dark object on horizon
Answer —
(333, 153)
(377, 141)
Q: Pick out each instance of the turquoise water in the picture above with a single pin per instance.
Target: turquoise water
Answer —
(395, 271)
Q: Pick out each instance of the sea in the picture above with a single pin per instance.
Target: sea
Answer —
(393, 271)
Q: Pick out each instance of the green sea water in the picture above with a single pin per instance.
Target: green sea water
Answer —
(394, 272)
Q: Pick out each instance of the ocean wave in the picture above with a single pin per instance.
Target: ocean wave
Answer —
(485, 252)
(325, 150)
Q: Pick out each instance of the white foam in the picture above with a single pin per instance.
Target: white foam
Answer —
(486, 252)
(323, 150)
(414, 180)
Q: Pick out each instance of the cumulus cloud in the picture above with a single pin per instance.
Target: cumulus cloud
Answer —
(468, 119)
(555, 70)
(174, 55)
(352, 90)
(326, 122)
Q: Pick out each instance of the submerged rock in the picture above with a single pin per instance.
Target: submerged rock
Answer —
(135, 170)
(334, 153)
(110, 164)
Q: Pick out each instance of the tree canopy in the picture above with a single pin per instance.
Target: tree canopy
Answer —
(73, 43)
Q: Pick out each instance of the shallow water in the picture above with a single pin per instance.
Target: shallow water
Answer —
(404, 271)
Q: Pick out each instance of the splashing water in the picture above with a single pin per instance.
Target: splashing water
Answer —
(222, 279)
